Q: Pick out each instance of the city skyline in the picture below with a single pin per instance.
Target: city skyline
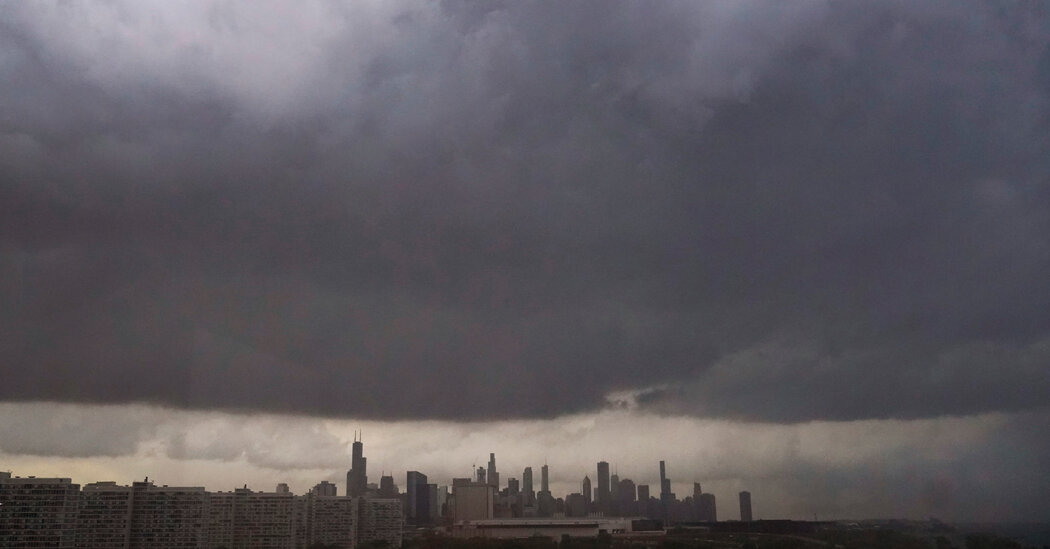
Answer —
(799, 249)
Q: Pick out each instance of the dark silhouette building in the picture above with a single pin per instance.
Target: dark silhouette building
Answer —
(493, 477)
(526, 486)
(707, 509)
(418, 497)
(602, 496)
(356, 477)
(745, 506)
(666, 497)
(387, 488)
(627, 497)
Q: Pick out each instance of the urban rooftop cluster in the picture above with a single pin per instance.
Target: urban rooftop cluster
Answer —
(55, 512)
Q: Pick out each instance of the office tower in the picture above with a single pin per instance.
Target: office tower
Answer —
(745, 506)
(665, 484)
(696, 493)
(324, 488)
(587, 489)
(627, 497)
(526, 486)
(387, 488)
(282, 488)
(418, 499)
(442, 502)
(163, 516)
(38, 512)
(512, 487)
(544, 485)
(576, 505)
(481, 475)
(708, 512)
(614, 487)
(493, 475)
(643, 492)
(602, 495)
(357, 477)
(432, 502)
(379, 520)
(472, 501)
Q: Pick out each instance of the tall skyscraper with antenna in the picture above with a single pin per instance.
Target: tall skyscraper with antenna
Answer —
(493, 474)
(356, 477)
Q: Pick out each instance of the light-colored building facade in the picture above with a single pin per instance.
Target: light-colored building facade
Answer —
(473, 501)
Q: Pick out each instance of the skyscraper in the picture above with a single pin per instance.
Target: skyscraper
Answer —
(526, 486)
(665, 485)
(708, 513)
(627, 496)
(602, 496)
(356, 477)
(418, 497)
(544, 485)
(643, 492)
(745, 506)
(587, 489)
(387, 488)
(493, 474)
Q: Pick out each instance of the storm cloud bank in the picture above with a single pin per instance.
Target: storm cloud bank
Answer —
(740, 210)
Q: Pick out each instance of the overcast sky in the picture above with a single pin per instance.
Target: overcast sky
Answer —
(801, 247)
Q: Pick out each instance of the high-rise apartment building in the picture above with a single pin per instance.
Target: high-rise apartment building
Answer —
(379, 519)
(330, 520)
(324, 488)
(38, 512)
(745, 506)
(167, 517)
(104, 516)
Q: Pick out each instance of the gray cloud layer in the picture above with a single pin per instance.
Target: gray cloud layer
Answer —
(817, 210)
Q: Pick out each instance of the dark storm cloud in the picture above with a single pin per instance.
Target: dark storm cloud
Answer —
(777, 212)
